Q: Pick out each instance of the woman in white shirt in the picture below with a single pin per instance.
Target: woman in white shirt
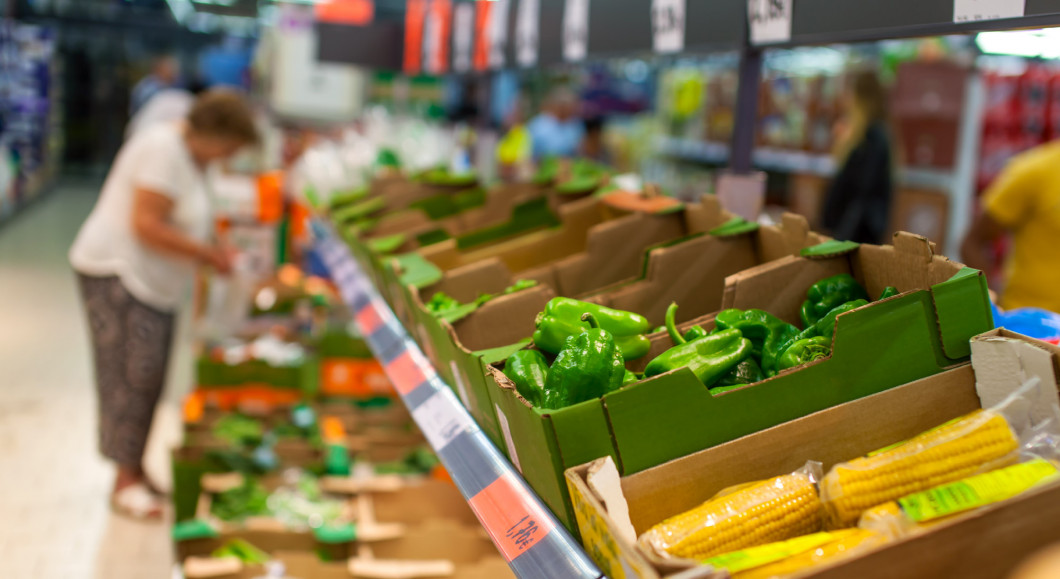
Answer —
(135, 257)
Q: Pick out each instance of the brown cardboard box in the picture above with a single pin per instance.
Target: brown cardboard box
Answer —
(1013, 529)
(417, 502)
(466, 547)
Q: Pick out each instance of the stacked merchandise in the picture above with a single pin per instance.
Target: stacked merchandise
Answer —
(30, 136)
(674, 341)
(298, 461)
(773, 323)
(887, 492)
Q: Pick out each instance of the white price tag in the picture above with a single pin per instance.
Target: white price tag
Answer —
(506, 431)
(770, 20)
(972, 10)
(575, 30)
(668, 25)
(441, 419)
(498, 33)
(463, 36)
(527, 23)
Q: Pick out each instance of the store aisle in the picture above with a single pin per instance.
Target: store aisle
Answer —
(54, 488)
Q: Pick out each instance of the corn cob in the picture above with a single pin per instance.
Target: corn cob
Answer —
(977, 442)
(847, 543)
(913, 512)
(773, 510)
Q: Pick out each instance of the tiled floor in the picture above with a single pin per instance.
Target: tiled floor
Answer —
(53, 483)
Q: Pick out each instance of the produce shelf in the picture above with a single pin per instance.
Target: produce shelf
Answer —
(526, 533)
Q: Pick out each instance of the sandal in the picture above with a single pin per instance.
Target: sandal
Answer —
(136, 501)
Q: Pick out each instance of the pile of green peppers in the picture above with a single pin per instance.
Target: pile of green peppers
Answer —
(750, 345)
(591, 344)
(447, 307)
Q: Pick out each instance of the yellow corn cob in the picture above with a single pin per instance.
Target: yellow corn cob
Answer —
(773, 510)
(848, 542)
(886, 519)
(980, 441)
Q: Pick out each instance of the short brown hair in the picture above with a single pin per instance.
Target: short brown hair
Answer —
(223, 113)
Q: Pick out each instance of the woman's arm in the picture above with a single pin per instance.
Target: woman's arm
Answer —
(152, 226)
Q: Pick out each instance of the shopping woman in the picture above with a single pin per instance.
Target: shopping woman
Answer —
(857, 206)
(135, 257)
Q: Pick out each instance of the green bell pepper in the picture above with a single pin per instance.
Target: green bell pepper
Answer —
(828, 293)
(589, 366)
(441, 302)
(629, 378)
(746, 372)
(889, 292)
(671, 327)
(767, 333)
(528, 369)
(709, 357)
(804, 351)
(825, 327)
(561, 319)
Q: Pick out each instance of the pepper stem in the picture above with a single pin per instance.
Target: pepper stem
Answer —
(587, 317)
(671, 324)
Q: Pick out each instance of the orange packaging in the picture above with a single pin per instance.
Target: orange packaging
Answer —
(270, 197)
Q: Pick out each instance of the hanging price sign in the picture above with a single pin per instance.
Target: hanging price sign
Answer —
(668, 25)
(575, 30)
(972, 10)
(436, 37)
(463, 36)
(527, 25)
(770, 20)
(497, 30)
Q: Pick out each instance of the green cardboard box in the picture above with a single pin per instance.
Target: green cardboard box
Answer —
(211, 374)
(918, 333)
(692, 271)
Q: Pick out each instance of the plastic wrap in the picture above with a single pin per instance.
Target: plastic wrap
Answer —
(797, 555)
(753, 514)
(977, 443)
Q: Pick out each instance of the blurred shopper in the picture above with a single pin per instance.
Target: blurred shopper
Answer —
(593, 145)
(163, 75)
(1023, 201)
(557, 131)
(135, 256)
(858, 203)
(166, 106)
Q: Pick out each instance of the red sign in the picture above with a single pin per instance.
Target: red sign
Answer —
(481, 58)
(439, 25)
(415, 15)
(352, 12)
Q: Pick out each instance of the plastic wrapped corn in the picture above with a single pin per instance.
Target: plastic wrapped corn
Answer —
(910, 513)
(978, 442)
(784, 558)
(772, 510)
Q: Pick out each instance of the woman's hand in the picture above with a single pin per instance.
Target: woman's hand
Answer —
(219, 258)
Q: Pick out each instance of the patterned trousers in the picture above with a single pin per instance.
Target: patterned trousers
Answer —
(130, 343)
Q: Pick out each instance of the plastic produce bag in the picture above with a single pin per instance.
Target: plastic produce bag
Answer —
(753, 514)
(976, 443)
(1033, 322)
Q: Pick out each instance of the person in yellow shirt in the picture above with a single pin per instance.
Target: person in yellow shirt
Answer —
(1023, 201)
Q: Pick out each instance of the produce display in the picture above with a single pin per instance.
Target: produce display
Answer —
(792, 523)
(745, 346)
(450, 309)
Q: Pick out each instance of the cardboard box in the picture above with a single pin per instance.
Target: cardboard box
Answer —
(920, 332)
(1012, 529)
(636, 255)
(466, 547)
(398, 514)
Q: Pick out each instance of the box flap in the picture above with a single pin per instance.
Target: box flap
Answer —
(1003, 363)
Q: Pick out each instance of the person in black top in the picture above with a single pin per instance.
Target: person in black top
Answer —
(858, 203)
